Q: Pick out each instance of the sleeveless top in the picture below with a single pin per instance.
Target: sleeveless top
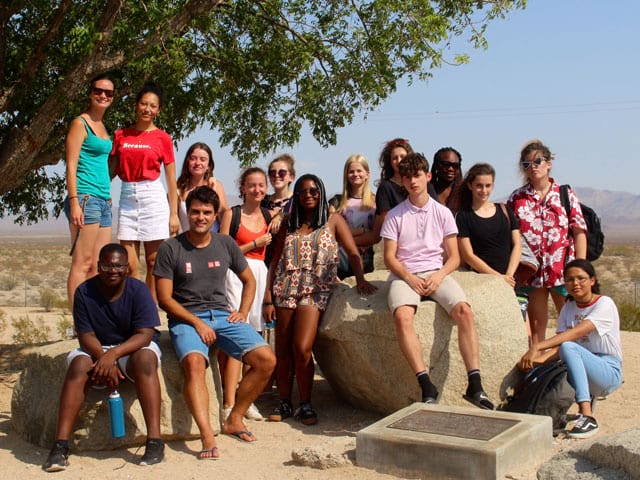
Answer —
(245, 235)
(92, 175)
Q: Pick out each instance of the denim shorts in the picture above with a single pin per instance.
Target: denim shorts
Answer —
(559, 289)
(234, 339)
(96, 210)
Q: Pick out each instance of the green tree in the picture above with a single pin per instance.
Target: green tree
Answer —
(256, 70)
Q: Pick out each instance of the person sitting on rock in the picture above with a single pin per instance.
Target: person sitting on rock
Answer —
(190, 273)
(418, 234)
(115, 317)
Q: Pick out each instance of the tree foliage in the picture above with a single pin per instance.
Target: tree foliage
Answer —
(256, 70)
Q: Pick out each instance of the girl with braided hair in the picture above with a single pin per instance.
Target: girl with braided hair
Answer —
(446, 177)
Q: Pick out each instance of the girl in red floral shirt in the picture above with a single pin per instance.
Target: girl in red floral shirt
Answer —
(546, 228)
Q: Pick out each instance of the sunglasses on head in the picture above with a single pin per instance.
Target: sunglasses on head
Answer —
(537, 162)
(100, 91)
(314, 192)
(447, 164)
(278, 173)
(398, 142)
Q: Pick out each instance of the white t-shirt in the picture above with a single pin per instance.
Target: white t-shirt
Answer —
(420, 234)
(604, 315)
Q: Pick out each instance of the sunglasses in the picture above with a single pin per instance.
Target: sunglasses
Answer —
(398, 142)
(314, 192)
(100, 91)
(107, 267)
(445, 164)
(537, 162)
(278, 173)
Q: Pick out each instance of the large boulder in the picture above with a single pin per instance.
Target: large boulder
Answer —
(357, 347)
(35, 401)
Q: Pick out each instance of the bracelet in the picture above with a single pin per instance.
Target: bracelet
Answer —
(72, 197)
(255, 245)
(266, 304)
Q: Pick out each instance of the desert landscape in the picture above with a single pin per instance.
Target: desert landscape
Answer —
(33, 309)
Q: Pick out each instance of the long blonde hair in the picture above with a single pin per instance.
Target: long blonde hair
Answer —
(368, 199)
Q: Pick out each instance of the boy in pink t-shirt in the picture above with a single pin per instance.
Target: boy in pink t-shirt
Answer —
(417, 234)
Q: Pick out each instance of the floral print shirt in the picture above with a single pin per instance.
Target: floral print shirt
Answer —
(545, 227)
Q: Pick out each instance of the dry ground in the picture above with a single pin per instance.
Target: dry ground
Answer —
(43, 264)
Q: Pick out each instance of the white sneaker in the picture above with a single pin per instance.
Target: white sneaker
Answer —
(253, 413)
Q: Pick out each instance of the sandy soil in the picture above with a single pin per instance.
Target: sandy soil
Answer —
(271, 456)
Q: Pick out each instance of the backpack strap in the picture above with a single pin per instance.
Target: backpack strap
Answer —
(235, 221)
(564, 199)
(236, 212)
(506, 214)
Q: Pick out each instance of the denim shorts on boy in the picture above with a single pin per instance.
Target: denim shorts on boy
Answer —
(122, 361)
(448, 294)
(234, 339)
(96, 210)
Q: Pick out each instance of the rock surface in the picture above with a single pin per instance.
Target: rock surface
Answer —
(35, 401)
(358, 352)
(614, 457)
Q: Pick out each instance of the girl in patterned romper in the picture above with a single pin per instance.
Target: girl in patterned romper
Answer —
(302, 271)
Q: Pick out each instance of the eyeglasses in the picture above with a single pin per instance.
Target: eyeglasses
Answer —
(107, 267)
(314, 192)
(579, 280)
(537, 162)
(100, 91)
(445, 164)
(278, 173)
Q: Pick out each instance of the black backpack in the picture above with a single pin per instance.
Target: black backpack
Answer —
(235, 219)
(544, 391)
(595, 236)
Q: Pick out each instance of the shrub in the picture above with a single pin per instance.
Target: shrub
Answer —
(48, 299)
(27, 331)
(3, 321)
(8, 282)
(629, 317)
(63, 325)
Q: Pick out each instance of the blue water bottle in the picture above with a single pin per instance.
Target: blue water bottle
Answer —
(116, 414)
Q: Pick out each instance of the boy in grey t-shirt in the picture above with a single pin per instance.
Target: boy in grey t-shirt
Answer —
(190, 275)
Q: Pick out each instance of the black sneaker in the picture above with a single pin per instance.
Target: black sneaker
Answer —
(282, 411)
(306, 414)
(584, 427)
(57, 460)
(153, 452)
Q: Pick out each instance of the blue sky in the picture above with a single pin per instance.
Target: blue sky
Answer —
(564, 71)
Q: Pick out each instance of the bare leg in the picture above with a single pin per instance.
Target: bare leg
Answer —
(284, 351)
(305, 328)
(133, 252)
(143, 368)
(150, 253)
(73, 395)
(197, 396)
(408, 338)
(467, 335)
(538, 314)
(84, 261)
(558, 300)
(261, 363)
(230, 378)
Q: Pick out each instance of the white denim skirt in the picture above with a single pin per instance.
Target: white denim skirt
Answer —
(143, 214)
(233, 292)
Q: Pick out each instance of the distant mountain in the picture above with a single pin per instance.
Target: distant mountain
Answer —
(618, 211)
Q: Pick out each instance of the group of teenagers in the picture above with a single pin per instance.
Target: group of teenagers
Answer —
(275, 258)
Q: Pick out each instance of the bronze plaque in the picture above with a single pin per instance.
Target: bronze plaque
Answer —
(454, 424)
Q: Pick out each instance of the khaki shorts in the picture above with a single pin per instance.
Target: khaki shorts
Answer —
(448, 295)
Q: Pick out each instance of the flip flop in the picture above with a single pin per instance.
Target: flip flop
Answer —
(480, 399)
(208, 454)
(238, 436)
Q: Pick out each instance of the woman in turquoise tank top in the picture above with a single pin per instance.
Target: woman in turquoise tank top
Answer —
(88, 204)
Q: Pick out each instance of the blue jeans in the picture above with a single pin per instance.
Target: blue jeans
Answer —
(590, 373)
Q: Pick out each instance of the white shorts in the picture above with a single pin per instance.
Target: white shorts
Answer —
(122, 361)
(233, 292)
(143, 214)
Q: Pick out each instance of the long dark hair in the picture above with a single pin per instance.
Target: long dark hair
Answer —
(185, 176)
(587, 267)
(456, 186)
(465, 195)
(322, 211)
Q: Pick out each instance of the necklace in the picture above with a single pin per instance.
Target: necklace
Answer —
(584, 304)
